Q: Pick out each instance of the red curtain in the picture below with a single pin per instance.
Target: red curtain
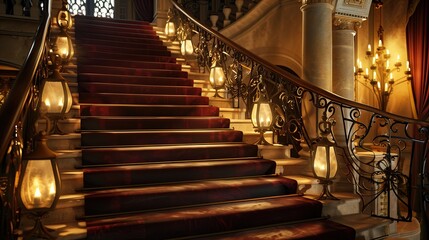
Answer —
(144, 10)
(417, 35)
(418, 54)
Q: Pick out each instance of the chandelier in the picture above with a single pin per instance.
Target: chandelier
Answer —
(381, 73)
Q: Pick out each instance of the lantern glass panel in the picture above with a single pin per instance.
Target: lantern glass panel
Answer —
(54, 98)
(170, 29)
(186, 47)
(321, 162)
(38, 187)
(217, 77)
(62, 43)
(262, 115)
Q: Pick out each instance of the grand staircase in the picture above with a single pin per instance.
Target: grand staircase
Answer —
(159, 162)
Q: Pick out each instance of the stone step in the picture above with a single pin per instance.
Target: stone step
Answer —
(69, 141)
(366, 227)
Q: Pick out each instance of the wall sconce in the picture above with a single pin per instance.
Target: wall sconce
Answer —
(63, 40)
(56, 96)
(39, 185)
(325, 163)
(217, 75)
(170, 27)
(262, 115)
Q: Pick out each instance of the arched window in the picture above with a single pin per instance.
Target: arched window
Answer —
(96, 8)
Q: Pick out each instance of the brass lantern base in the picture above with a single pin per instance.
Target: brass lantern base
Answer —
(326, 194)
(39, 231)
(262, 140)
(217, 95)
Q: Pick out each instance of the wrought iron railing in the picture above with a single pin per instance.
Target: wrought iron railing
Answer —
(378, 148)
(17, 118)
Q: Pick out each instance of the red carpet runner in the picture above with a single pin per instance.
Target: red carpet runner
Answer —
(160, 163)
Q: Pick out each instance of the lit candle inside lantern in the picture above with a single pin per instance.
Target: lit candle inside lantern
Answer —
(354, 69)
(374, 75)
(376, 56)
(37, 196)
(386, 87)
(366, 72)
(52, 189)
(398, 58)
(408, 66)
(380, 43)
(391, 76)
(387, 52)
(387, 64)
(373, 60)
(379, 85)
(369, 47)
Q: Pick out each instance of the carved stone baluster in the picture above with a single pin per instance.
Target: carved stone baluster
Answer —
(213, 19)
(226, 12)
(26, 7)
(239, 4)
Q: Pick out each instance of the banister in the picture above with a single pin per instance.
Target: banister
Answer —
(19, 95)
(388, 140)
(298, 81)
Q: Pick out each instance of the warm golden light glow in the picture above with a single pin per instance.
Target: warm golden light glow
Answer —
(262, 115)
(186, 47)
(170, 29)
(324, 160)
(37, 184)
(217, 76)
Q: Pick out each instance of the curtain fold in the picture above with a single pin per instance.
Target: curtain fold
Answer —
(144, 10)
(417, 36)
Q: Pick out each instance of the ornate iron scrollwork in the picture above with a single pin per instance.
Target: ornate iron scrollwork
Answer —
(378, 147)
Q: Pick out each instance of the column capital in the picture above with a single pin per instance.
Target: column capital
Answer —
(304, 2)
(341, 23)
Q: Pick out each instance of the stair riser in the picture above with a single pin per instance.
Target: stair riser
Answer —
(107, 33)
(110, 98)
(132, 71)
(120, 124)
(183, 226)
(130, 64)
(145, 44)
(123, 50)
(113, 29)
(94, 178)
(91, 110)
(141, 199)
(122, 56)
(136, 89)
(144, 80)
(64, 143)
(111, 156)
(71, 182)
(130, 138)
(111, 21)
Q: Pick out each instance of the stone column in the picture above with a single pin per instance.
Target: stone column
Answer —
(161, 9)
(317, 42)
(316, 55)
(343, 58)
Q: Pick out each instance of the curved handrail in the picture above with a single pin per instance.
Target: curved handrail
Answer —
(391, 135)
(296, 80)
(18, 96)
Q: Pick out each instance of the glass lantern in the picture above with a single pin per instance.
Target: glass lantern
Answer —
(262, 118)
(39, 184)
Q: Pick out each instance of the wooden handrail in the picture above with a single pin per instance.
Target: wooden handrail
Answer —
(19, 95)
(296, 80)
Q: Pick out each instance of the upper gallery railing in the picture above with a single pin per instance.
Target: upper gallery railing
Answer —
(17, 118)
(385, 154)
(217, 13)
